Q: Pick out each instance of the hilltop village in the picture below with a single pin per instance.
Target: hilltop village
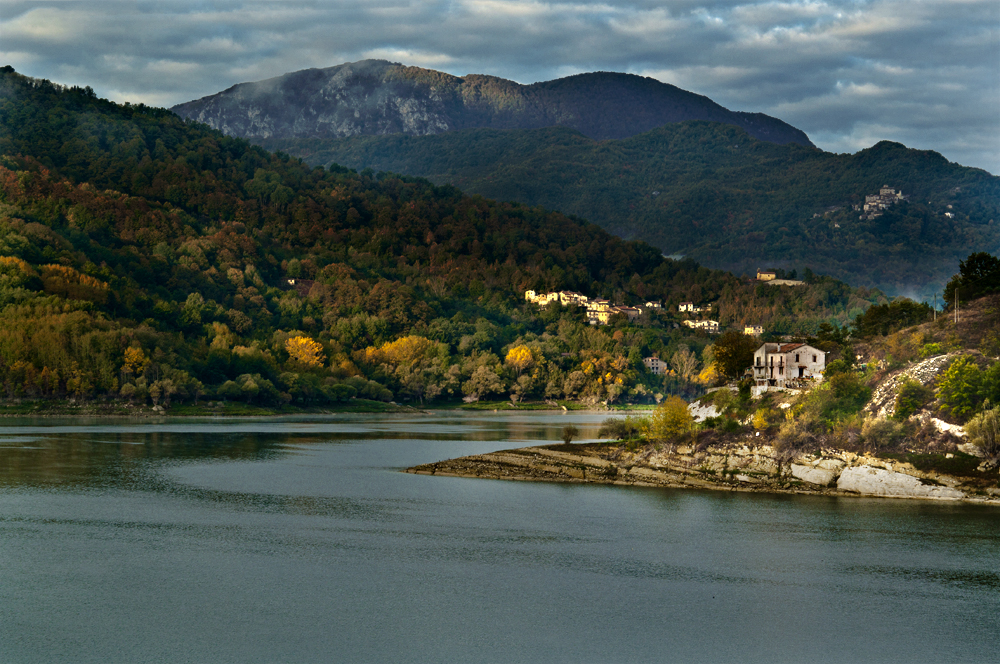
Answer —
(876, 204)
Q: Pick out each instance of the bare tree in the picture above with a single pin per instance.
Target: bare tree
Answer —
(684, 363)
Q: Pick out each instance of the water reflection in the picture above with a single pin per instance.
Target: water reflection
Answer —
(300, 540)
(101, 453)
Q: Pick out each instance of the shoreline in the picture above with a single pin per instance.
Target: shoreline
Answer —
(738, 468)
(44, 408)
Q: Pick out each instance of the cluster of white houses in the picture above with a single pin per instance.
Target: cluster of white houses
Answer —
(710, 326)
(599, 312)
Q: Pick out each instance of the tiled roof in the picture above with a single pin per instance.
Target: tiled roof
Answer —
(788, 347)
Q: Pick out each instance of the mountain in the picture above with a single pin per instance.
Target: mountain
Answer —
(145, 258)
(714, 193)
(375, 97)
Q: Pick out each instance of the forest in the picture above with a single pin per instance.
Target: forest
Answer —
(713, 193)
(147, 259)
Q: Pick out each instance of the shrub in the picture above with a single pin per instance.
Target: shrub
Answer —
(844, 395)
(911, 398)
(730, 425)
(797, 435)
(763, 418)
(930, 350)
(984, 432)
(836, 367)
(880, 434)
(624, 428)
(569, 432)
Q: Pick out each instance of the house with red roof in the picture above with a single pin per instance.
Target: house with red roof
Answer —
(791, 365)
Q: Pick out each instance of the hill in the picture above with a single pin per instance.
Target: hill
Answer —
(145, 258)
(713, 193)
(375, 97)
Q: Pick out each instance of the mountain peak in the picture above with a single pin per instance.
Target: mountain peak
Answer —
(381, 97)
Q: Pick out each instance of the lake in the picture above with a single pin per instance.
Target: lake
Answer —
(299, 540)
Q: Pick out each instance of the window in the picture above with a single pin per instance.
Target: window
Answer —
(796, 357)
(814, 358)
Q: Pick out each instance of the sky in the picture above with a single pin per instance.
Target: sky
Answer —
(925, 73)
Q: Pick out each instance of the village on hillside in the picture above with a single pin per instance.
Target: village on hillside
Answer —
(876, 204)
(776, 366)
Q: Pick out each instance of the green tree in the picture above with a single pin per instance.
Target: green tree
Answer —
(978, 274)
(958, 388)
(912, 396)
(734, 353)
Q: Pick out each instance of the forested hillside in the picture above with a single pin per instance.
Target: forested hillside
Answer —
(146, 258)
(380, 97)
(715, 194)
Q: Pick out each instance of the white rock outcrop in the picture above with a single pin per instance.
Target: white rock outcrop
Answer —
(700, 413)
(813, 475)
(871, 481)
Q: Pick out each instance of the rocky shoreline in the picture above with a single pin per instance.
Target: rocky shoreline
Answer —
(732, 467)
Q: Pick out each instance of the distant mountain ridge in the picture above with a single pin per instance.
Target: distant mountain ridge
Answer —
(376, 97)
(711, 192)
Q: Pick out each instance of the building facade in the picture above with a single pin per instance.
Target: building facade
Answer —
(655, 365)
(787, 365)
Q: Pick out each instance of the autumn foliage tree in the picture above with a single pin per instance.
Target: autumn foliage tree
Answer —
(305, 351)
(670, 419)
(520, 359)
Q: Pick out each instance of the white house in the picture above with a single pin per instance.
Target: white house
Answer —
(787, 365)
(690, 307)
(753, 330)
(710, 326)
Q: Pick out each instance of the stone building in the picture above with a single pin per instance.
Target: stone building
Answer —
(787, 365)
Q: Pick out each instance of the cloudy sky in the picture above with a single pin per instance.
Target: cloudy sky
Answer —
(847, 72)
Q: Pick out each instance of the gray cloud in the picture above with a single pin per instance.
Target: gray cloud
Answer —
(848, 72)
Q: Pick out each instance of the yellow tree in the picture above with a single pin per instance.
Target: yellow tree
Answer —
(520, 358)
(134, 363)
(670, 418)
(305, 351)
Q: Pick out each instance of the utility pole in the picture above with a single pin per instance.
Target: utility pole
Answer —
(935, 307)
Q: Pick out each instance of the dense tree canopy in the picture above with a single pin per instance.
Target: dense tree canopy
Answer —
(150, 259)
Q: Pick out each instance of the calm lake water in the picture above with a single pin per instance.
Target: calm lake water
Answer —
(298, 540)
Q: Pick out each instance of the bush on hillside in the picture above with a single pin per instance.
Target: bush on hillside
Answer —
(984, 432)
(879, 434)
(913, 395)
